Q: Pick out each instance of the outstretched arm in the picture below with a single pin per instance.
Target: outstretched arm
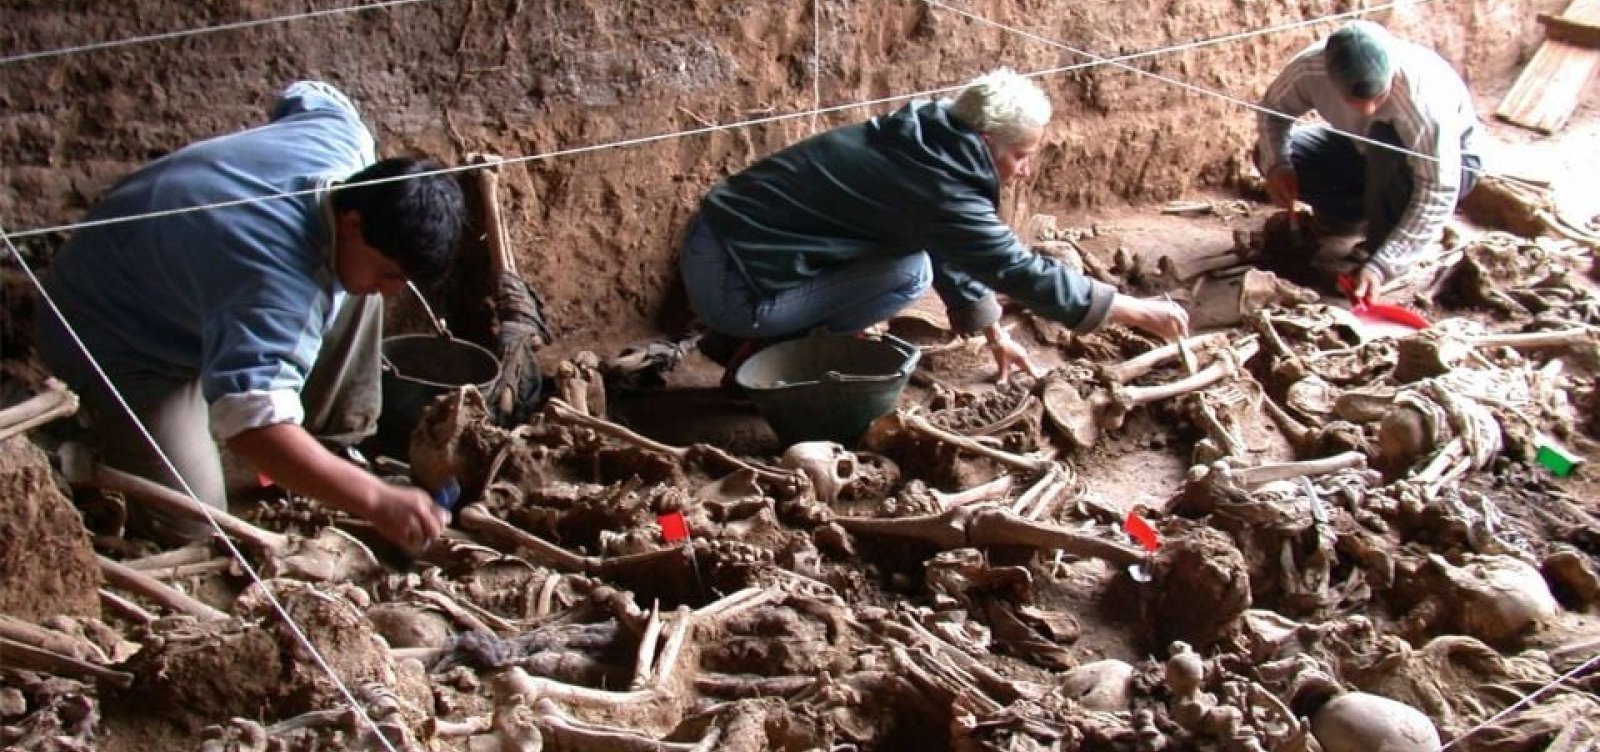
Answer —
(293, 459)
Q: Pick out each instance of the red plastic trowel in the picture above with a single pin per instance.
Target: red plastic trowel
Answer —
(1382, 314)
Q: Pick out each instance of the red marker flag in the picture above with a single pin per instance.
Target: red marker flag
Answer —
(673, 526)
(1141, 531)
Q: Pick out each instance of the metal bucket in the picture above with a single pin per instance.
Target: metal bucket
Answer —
(827, 387)
(418, 368)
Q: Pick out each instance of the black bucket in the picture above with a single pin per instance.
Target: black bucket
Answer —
(418, 368)
(827, 387)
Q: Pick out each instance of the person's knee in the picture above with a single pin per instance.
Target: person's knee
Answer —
(918, 271)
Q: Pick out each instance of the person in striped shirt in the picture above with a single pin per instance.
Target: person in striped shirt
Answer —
(1398, 149)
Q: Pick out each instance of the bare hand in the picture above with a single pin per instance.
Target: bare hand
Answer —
(1368, 285)
(1009, 355)
(1283, 186)
(407, 517)
(1162, 318)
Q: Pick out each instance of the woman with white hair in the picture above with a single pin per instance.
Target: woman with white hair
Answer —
(847, 227)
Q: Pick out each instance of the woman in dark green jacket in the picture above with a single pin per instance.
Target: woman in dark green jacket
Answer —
(847, 227)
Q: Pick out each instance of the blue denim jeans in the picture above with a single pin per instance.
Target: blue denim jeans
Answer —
(843, 300)
(1343, 185)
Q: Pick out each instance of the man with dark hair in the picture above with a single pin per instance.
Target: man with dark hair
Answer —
(1364, 81)
(257, 322)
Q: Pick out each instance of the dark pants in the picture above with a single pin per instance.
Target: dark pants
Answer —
(1345, 186)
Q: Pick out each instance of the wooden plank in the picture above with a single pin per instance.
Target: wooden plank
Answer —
(1571, 31)
(1554, 81)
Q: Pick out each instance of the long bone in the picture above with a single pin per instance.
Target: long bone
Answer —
(56, 401)
(561, 412)
(332, 555)
(1143, 363)
(510, 539)
(570, 733)
(1082, 419)
(989, 526)
(143, 584)
(21, 655)
(80, 468)
(29, 633)
(916, 423)
(1433, 354)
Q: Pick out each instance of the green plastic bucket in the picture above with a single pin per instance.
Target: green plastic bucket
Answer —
(416, 369)
(827, 387)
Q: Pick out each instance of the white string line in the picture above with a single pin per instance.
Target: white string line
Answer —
(233, 549)
(1527, 698)
(1227, 97)
(1519, 703)
(110, 44)
(653, 138)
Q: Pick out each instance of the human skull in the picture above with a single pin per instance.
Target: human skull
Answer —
(1357, 722)
(1498, 596)
(829, 466)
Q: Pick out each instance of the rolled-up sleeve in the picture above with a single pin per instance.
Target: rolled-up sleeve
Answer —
(260, 358)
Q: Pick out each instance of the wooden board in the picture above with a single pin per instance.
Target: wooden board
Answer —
(1552, 84)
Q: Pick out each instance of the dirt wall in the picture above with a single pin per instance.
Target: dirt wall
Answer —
(595, 230)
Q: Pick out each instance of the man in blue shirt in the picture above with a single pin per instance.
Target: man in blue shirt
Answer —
(258, 322)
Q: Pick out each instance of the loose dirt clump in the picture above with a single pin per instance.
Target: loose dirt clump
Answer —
(47, 566)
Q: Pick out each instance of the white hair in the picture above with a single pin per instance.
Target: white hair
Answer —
(1004, 104)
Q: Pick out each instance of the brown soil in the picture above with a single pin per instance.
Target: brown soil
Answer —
(595, 231)
(46, 566)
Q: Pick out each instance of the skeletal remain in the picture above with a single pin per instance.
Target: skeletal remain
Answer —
(21, 655)
(561, 412)
(907, 629)
(1101, 685)
(1082, 419)
(194, 553)
(125, 608)
(580, 385)
(504, 536)
(1337, 437)
(143, 584)
(56, 401)
(916, 423)
(1435, 352)
(1143, 363)
(52, 640)
(1361, 722)
(942, 679)
(1495, 597)
(332, 556)
(988, 526)
(566, 732)
(1209, 485)
(1046, 495)
(828, 464)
